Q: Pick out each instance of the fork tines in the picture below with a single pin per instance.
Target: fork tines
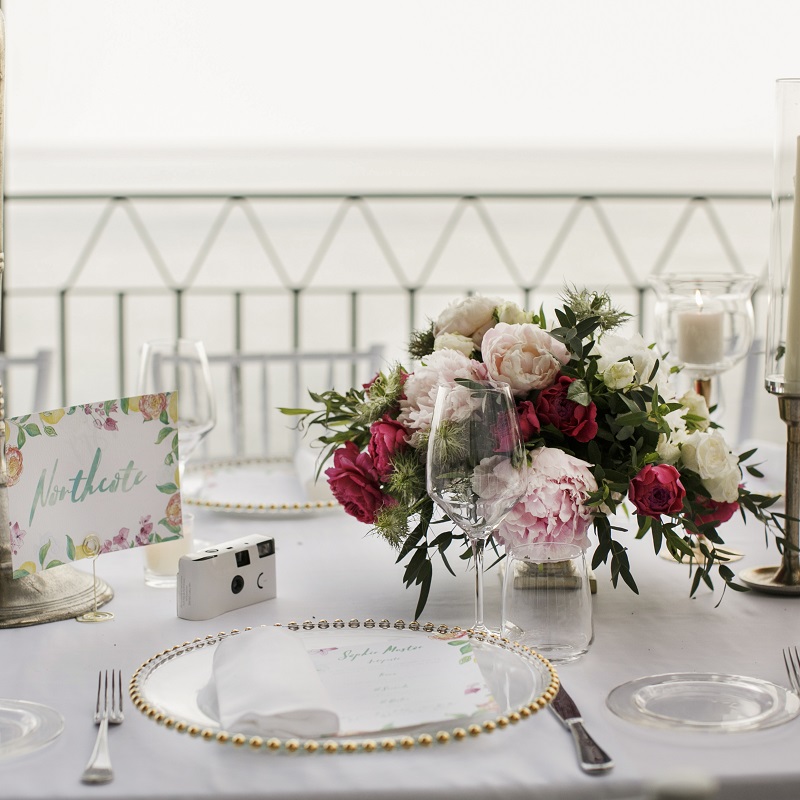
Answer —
(791, 658)
(114, 713)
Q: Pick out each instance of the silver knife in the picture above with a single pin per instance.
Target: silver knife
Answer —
(593, 759)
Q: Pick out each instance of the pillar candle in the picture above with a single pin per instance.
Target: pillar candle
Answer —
(791, 370)
(700, 334)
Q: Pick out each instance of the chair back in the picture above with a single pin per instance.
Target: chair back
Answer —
(251, 388)
(26, 382)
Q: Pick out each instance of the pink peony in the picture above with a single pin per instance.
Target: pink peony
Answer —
(657, 490)
(553, 510)
(387, 437)
(523, 356)
(440, 368)
(355, 483)
(569, 417)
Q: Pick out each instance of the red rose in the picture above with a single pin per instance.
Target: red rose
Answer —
(714, 510)
(657, 490)
(387, 437)
(528, 421)
(355, 483)
(568, 416)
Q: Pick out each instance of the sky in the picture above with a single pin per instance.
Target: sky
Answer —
(576, 74)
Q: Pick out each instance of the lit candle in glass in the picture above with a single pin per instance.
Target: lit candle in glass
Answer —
(700, 334)
(791, 370)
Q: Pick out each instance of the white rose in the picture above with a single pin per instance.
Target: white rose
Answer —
(696, 405)
(707, 454)
(454, 341)
(667, 450)
(612, 348)
(511, 313)
(619, 375)
(472, 317)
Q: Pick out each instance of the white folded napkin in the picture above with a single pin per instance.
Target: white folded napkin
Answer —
(305, 467)
(264, 682)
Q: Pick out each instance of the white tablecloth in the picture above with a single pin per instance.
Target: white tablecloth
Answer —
(329, 567)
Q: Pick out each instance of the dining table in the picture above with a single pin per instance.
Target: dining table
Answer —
(330, 566)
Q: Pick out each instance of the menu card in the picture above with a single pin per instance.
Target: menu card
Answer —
(399, 679)
(106, 469)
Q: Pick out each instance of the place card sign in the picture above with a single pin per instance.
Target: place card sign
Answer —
(107, 469)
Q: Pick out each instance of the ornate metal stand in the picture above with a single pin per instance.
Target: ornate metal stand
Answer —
(61, 592)
(785, 578)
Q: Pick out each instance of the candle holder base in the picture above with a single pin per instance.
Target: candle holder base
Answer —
(763, 579)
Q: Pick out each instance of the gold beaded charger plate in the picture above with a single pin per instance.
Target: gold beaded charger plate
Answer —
(522, 682)
(266, 487)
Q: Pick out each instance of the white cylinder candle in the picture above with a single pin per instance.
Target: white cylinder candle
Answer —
(791, 370)
(701, 334)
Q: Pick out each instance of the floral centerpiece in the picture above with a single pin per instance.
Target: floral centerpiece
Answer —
(601, 422)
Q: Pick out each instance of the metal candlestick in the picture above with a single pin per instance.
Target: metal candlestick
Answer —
(785, 578)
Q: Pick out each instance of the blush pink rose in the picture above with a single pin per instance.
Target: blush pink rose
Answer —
(554, 508)
(387, 437)
(469, 316)
(657, 490)
(523, 355)
(571, 418)
(355, 483)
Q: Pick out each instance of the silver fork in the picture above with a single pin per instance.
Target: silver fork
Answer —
(98, 770)
(791, 658)
(115, 715)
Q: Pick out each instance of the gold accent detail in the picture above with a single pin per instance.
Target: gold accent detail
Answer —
(169, 722)
(193, 730)
(330, 747)
(273, 744)
(387, 744)
(443, 737)
(292, 745)
(524, 712)
(207, 734)
(489, 726)
(406, 742)
(502, 722)
(311, 746)
(459, 734)
(350, 747)
(369, 746)
(238, 739)
(256, 742)
(160, 717)
(474, 730)
(181, 727)
(425, 739)
(223, 737)
(514, 717)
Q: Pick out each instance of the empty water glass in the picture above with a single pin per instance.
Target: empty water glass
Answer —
(547, 600)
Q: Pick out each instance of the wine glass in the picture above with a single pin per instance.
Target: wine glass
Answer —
(181, 365)
(475, 463)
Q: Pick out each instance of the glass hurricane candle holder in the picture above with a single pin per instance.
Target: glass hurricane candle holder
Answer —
(704, 325)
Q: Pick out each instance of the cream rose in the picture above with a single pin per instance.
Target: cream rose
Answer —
(708, 455)
(696, 405)
(454, 341)
(471, 317)
(667, 450)
(523, 356)
(511, 313)
(619, 375)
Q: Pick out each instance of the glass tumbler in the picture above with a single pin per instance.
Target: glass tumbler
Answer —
(547, 600)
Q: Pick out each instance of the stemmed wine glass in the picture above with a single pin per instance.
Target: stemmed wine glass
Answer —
(181, 365)
(475, 463)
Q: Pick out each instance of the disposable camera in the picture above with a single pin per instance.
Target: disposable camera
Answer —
(226, 576)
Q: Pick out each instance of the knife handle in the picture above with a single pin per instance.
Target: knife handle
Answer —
(592, 757)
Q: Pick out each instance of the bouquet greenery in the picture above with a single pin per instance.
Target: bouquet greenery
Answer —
(601, 422)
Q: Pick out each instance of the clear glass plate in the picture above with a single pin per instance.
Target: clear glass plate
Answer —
(704, 702)
(165, 688)
(26, 726)
(255, 487)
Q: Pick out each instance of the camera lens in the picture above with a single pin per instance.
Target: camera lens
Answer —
(266, 548)
(237, 584)
(242, 558)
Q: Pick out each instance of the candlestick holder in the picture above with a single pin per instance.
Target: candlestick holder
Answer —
(782, 367)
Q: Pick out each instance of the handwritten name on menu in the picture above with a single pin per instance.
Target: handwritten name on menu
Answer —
(106, 469)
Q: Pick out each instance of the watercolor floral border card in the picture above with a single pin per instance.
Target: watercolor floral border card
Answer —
(109, 469)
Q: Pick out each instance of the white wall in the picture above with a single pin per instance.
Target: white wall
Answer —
(173, 78)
